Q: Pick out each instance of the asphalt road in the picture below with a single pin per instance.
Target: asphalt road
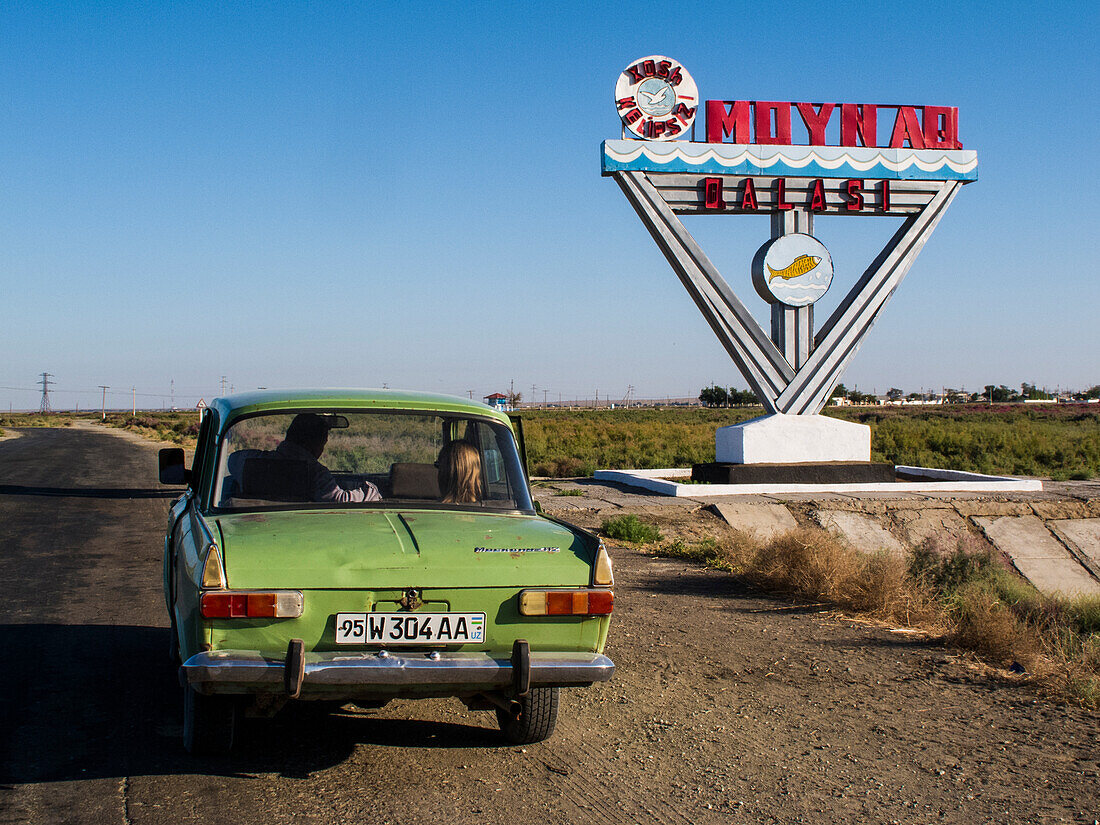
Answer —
(726, 707)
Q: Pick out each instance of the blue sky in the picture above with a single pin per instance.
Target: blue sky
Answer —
(294, 194)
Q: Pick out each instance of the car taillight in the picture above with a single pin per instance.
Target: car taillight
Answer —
(213, 574)
(601, 570)
(230, 604)
(566, 602)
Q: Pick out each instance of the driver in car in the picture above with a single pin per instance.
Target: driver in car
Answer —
(305, 440)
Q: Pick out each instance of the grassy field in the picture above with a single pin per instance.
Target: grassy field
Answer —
(563, 443)
(1059, 441)
(1053, 441)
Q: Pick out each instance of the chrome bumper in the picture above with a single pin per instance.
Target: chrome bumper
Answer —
(337, 669)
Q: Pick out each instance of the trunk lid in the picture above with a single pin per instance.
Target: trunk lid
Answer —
(372, 550)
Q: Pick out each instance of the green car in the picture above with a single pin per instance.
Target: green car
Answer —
(357, 546)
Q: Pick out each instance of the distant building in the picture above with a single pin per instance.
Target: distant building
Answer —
(498, 401)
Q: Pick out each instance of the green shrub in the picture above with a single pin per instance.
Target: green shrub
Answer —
(705, 552)
(632, 529)
(946, 572)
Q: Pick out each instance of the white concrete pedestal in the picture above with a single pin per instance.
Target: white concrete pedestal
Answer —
(789, 439)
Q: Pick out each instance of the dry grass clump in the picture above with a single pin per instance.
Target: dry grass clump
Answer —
(986, 625)
(965, 591)
(813, 564)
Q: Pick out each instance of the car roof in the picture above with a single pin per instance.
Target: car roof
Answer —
(232, 406)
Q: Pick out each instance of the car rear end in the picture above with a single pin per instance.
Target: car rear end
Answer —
(437, 579)
(424, 609)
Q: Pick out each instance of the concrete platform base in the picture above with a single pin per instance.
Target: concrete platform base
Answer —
(674, 482)
(790, 439)
(809, 472)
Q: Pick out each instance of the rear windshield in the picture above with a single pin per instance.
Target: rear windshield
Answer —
(368, 459)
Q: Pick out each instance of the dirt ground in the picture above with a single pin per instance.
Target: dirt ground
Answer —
(725, 707)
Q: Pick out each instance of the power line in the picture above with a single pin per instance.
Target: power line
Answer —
(55, 391)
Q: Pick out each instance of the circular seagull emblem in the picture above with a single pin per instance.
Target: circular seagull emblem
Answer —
(657, 99)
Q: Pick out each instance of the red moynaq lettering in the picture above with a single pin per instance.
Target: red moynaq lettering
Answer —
(769, 123)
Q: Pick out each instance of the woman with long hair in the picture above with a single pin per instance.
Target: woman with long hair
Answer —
(460, 473)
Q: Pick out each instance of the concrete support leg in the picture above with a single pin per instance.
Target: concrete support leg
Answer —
(793, 327)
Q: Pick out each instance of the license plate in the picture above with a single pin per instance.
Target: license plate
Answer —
(409, 628)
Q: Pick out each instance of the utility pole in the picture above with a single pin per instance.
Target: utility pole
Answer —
(471, 392)
(44, 405)
(223, 385)
(544, 391)
(134, 391)
(173, 385)
(103, 409)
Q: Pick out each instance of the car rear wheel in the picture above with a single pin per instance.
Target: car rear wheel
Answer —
(209, 723)
(538, 715)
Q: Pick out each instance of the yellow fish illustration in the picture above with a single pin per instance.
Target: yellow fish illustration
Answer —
(799, 266)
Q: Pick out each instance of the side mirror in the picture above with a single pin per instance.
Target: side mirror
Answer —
(172, 470)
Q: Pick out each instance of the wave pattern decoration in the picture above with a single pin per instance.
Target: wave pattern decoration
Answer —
(795, 161)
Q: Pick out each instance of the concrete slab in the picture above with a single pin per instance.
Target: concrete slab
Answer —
(1038, 555)
(860, 530)
(765, 521)
(1049, 510)
(988, 507)
(936, 524)
(1082, 535)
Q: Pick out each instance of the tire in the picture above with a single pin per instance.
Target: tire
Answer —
(538, 715)
(209, 723)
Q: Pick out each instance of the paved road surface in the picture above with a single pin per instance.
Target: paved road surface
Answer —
(726, 707)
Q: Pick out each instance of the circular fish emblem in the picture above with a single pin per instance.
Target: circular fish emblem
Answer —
(656, 98)
(793, 269)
